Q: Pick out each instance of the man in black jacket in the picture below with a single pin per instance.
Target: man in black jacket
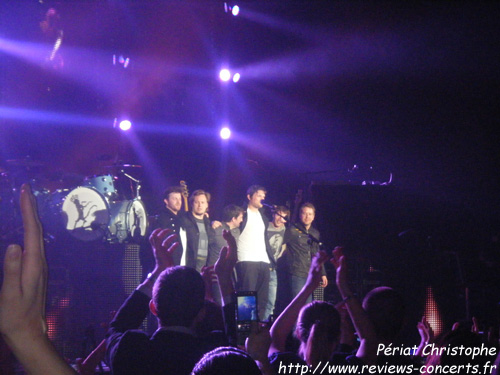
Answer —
(302, 244)
(171, 217)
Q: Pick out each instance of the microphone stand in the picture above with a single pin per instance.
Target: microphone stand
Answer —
(137, 184)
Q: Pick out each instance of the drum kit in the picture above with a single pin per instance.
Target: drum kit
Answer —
(104, 207)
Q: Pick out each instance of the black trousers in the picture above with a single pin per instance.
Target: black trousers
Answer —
(254, 276)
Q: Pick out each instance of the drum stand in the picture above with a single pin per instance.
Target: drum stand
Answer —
(137, 184)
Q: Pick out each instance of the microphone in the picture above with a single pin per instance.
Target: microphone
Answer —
(271, 206)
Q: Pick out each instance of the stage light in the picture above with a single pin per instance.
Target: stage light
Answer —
(125, 125)
(121, 60)
(225, 75)
(432, 312)
(234, 9)
(236, 77)
(225, 133)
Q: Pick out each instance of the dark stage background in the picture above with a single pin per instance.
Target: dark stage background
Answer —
(335, 98)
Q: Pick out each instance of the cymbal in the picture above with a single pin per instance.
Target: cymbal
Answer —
(25, 163)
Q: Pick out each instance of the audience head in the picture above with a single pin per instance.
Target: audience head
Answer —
(386, 309)
(178, 296)
(226, 360)
(318, 330)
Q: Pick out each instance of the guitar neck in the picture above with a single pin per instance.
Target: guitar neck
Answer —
(185, 194)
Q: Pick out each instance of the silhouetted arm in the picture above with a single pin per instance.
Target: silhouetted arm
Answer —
(22, 298)
(284, 324)
(360, 320)
(224, 268)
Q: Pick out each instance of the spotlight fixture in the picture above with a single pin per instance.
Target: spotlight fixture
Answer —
(125, 125)
(121, 60)
(233, 9)
(225, 75)
(225, 133)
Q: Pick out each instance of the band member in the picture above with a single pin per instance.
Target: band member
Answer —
(275, 234)
(171, 217)
(232, 216)
(301, 245)
(254, 253)
(199, 232)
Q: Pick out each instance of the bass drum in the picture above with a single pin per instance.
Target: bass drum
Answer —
(128, 221)
(83, 212)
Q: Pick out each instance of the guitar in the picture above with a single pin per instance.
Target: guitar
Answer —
(185, 194)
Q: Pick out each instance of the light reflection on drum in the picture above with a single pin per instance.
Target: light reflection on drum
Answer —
(138, 219)
(85, 214)
(128, 220)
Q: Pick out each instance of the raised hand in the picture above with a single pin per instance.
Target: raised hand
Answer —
(347, 332)
(425, 331)
(340, 265)
(257, 343)
(359, 318)
(324, 281)
(163, 242)
(224, 267)
(208, 275)
(314, 277)
(426, 336)
(22, 298)
(228, 256)
(257, 346)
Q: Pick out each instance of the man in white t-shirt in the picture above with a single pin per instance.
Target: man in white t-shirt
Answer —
(254, 253)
